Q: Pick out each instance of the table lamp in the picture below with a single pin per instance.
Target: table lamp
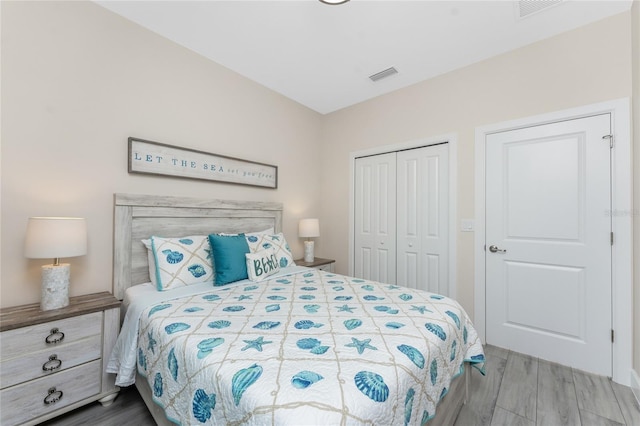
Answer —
(55, 237)
(308, 228)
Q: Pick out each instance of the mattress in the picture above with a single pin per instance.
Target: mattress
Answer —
(305, 347)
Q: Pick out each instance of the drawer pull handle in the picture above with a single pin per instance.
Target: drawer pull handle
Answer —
(55, 336)
(53, 364)
(53, 396)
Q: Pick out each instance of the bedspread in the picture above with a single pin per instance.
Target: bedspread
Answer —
(308, 348)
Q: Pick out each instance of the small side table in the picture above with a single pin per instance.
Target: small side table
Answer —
(53, 361)
(327, 265)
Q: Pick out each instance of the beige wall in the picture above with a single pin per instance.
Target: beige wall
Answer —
(635, 13)
(587, 65)
(77, 80)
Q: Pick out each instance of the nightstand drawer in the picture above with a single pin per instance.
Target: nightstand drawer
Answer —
(23, 402)
(50, 361)
(328, 267)
(22, 341)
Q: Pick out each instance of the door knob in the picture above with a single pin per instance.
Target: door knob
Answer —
(495, 249)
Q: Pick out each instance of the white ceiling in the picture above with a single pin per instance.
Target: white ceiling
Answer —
(322, 56)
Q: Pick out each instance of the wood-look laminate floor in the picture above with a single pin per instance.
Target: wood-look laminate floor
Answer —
(518, 390)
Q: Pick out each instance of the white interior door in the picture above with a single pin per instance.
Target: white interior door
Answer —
(375, 218)
(423, 218)
(548, 242)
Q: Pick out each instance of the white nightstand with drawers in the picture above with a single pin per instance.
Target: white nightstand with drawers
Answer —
(53, 361)
(318, 263)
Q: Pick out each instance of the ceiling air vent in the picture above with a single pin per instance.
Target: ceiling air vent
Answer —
(383, 74)
(529, 7)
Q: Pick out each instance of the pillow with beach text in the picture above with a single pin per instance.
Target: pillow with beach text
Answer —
(262, 264)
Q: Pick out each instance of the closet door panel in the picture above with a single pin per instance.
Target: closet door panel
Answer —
(423, 218)
(408, 220)
(375, 218)
(363, 219)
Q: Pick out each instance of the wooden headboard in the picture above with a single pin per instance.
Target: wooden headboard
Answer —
(137, 217)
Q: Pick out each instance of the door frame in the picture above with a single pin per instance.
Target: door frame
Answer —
(621, 215)
(452, 140)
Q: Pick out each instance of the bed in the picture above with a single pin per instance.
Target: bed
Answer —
(302, 346)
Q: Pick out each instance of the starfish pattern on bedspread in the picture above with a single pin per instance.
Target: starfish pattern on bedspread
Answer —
(421, 309)
(361, 345)
(256, 344)
(346, 308)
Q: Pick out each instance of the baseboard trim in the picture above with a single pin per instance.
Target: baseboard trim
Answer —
(635, 385)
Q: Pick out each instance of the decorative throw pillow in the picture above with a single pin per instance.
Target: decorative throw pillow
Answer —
(181, 261)
(277, 242)
(261, 264)
(228, 257)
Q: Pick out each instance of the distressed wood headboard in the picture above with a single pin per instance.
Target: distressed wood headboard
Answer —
(137, 217)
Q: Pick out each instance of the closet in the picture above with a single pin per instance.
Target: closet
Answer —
(401, 218)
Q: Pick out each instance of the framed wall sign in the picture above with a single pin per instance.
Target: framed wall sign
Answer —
(160, 159)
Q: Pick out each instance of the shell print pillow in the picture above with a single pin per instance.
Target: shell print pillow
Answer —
(181, 261)
(275, 241)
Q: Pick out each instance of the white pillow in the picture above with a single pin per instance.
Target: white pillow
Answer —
(261, 264)
(180, 261)
(277, 242)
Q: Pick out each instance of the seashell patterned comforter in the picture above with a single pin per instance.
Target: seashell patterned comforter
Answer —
(308, 348)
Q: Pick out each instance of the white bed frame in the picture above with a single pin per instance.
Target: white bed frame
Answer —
(137, 217)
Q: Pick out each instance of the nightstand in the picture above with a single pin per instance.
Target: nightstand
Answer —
(53, 361)
(318, 263)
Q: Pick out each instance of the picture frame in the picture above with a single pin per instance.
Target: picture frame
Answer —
(155, 158)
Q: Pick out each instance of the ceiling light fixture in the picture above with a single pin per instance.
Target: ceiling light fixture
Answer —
(333, 2)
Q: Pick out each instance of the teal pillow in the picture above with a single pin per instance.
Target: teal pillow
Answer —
(229, 257)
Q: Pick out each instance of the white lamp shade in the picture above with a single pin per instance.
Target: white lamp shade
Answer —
(309, 228)
(55, 237)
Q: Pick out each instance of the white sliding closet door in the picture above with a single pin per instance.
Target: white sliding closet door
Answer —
(375, 218)
(423, 218)
(401, 223)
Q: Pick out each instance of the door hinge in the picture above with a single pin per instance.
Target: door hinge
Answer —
(610, 137)
(612, 238)
(612, 336)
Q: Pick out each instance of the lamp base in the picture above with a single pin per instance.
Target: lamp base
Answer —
(55, 286)
(308, 251)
